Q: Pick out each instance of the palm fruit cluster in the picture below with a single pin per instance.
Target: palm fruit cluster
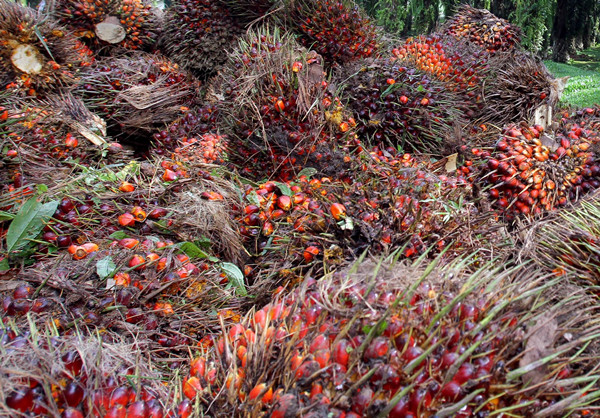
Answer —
(337, 30)
(456, 65)
(186, 130)
(131, 24)
(517, 83)
(198, 34)
(531, 172)
(480, 27)
(401, 106)
(29, 65)
(138, 93)
(320, 222)
(277, 112)
(59, 380)
(376, 343)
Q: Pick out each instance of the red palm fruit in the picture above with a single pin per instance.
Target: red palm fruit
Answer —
(338, 211)
(138, 409)
(117, 411)
(122, 279)
(169, 175)
(157, 213)
(341, 352)
(323, 357)
(362, 400)
(284, 202)
(285, 406)
(126, 219)
(20, 400)
(119, 396)
(139, 214)
(155, 410)
(73, 393)
(23, 291)
(137, 262)
(310, 253)
(198, 367)
(72, 362)
(451, 391)
(90, 247)
(72, 413)
(127, 187)
(319, 343)
(464, 373)
(185, 409)
(257, 391)
(129, 243)
(378, 348)
(307, 369)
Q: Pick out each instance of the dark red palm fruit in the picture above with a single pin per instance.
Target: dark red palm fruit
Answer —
(362, 400)
(138, 409)
(72, 413)
(377, 349)
(20, 400)
(451, 391)
(464, 373)
(119, 396)
(73, 393)
(73, 363)
(117, 411)
(185, 409)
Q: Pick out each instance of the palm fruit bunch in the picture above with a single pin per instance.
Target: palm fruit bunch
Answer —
(247, 12)
(480, 27)
(338, 30)
(459, 67)
(277, 112)
(45, 135)
(401, 106)
(386, 201)
(131, 24)
(408, 342)
(563, 244)
(138, 93)
(531, 172)
(36, 54)
(185, 133)
(50, 377)
(197, 35)
(517, 83)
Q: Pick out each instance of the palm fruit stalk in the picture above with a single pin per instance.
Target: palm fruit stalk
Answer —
(277, 112)
(401, 106)
(131, 24)
(37, 55)
(412, 341)
(339, 31)
(138, 93)
(531, 172)
(480, 27)
(197, 35)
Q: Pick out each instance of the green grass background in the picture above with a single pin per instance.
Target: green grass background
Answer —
(583, 88)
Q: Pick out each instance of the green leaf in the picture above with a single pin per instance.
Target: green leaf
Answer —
(28, 223)
(4, 265)
(105, 267)
(118, 235)
(308, 172)
(253, 198)
(284, 189)
(235, 276)
(420, 89)
(5, 216)
(193, 251)
(42, 188)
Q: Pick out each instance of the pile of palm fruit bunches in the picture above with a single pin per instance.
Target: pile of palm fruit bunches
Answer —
(262, 208)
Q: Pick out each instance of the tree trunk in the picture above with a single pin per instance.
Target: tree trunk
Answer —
(562, 40)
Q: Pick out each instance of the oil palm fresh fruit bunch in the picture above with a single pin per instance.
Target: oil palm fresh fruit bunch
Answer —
(339, 31)
(398, 341)
(480, 27)
(277, 112)
(401, 106)
(37, 55)
(131, 24)
(138, 93)
(460, 68)
(532, 172)
(197, 35)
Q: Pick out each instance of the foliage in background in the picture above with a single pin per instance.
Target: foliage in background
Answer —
(583, 88)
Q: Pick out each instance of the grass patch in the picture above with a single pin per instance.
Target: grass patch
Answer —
(583, 88)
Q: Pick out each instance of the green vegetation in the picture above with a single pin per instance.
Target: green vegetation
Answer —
(583, 88)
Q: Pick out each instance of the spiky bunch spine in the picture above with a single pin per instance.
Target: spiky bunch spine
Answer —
(532, 172)
(135, 18)
(337, 30)
(140, 92)
(198, 34)
(27, 63)
(401, 106)
(516, 84)
(246, 12)
(278, 108)
(346, 347)
(480, 27)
